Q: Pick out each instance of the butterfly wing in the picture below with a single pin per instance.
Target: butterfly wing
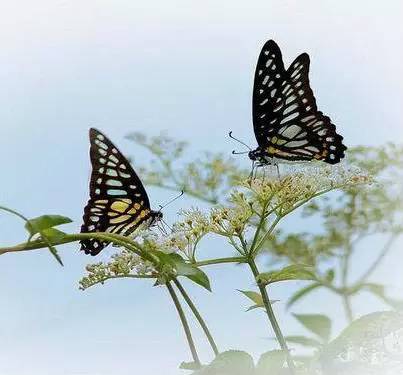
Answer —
(118, 201)
(269, 76)
(286, 120)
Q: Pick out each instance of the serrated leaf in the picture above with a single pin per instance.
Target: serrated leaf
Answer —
(319, 324)
(40, 223)
(293, 272)
(301, 293)
(271, 362)
(304, 341)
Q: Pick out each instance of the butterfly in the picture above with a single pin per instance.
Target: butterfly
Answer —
(286, 120)
(118, 201)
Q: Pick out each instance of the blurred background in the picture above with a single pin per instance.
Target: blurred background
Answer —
(186, 68)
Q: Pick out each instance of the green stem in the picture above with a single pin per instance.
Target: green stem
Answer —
(185, 324)
(13, 212)
(209, 262)
(109, 237)
(266, 235)
(347, 307)
(378, 260)
(197, 316)
(272, 318)
(258, 229)
(344, 280)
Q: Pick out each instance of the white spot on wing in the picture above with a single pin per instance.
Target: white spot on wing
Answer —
(290, 131)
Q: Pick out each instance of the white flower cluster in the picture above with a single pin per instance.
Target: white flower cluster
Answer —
(122, 264)
(300, 183)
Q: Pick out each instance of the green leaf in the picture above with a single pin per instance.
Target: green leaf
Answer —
(232, 362)
(377, 325)
(379, 291)
(54, 252)
(293, 272)
(53, 234)
(181, 268)
(189, 366)
(200, 278)
(38, 224)
(330, 274)
(50, 235)
(256, 298)
(318, 324)
(253, 296)
(271, 362)
(304, 341)
(191, 272)
(301, 293)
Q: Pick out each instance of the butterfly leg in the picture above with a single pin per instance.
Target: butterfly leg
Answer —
(277, 168)
(256, 170)
(264, 172)
(162, 229)
(165, 225)
(251, 171)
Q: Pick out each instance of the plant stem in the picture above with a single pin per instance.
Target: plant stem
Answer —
(345, 260)
(67, 238)
(185, 324)
(379, 258)
(347, 307)
(198, 316)
(209, 262)
(272, 318)
(13, 212)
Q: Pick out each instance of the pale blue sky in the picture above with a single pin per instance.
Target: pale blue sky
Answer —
(181, 66)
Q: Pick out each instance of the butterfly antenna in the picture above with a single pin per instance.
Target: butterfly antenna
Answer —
(172, 200)
(239, 141)
(239, 152)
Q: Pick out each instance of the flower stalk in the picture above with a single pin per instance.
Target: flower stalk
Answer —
(185, 324)
(272, 318)
(198, 316)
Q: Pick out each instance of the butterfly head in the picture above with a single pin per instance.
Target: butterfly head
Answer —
(256, 154)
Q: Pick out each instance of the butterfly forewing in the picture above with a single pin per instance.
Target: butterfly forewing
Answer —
(268, 80)
(118, 201)
(286, 121)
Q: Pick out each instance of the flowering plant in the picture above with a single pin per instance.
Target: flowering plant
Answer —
(248, 212)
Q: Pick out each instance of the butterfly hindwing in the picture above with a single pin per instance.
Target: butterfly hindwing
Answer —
(286, 120)
(118, 201)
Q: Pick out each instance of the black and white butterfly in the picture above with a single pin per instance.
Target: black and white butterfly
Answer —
(118, 201)
(286, 120)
